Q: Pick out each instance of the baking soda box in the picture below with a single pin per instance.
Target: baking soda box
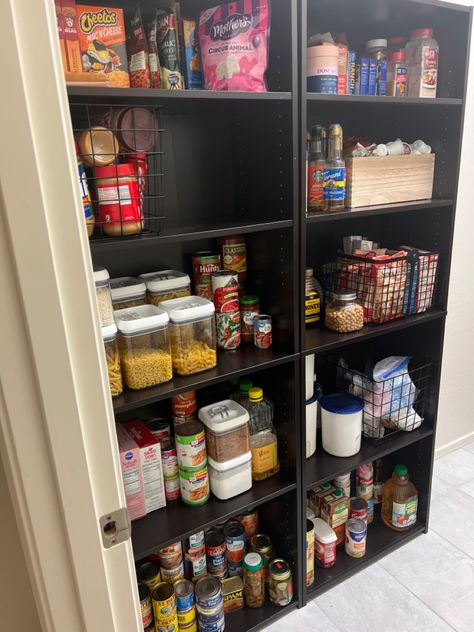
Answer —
(131, 474)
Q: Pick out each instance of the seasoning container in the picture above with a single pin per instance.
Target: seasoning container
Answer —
(262, 331)
(127, 292)
(144, 346)
(233, 593)
(104, 298)
(396, 43)
(358, 508)
(225, 292)
(280, 582)
(169, 462)
(422, 57)
(397, 74)
(335, 511)
(194, 484)
(234, 255)
(193, 334)
(343, 481)
(209, 604)
(356, 537)
(227, 430)
(261, 544)
(254, 580)
(135, 128)
(249, 308)
(249, 521)
(316, 495)
(344, 313)
(146, 607)
(365, 481)
(165, 285)
(184, 407)
(235, 542)
(85, 195)
(149, 574)
(98, 146)
(377, 49)
(164, 607)
(263, 437)
(204, 263)
(309, 552)
(159, 428)
(322, 68)
(216, 553)
(112, 356)
(341, 423)
(324, 543)
(191, 444)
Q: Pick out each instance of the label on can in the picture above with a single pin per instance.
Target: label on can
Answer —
(211, 619)
(358, 508)
(172, 575)
(356, 537)
(335, 183)
(247, 316)
(228, 330)
(215, 554)
(164, 603)
(184, 404)
(184, 592)
(194, 486)
(191, 449)
(325, 553)
(209, 606)
(170, 625)
(186, 616)
(195, 567)
(189, 627)
(235, 547)
(234, 257)
(196, 539)
(262, 331)
(249, 522)
(147, 611)
(204, 264)
(172, 487)
(169, 459)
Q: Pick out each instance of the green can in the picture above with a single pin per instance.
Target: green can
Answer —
(194, 483)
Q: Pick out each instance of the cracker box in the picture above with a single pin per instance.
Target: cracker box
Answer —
(131, 474)
(102, 42)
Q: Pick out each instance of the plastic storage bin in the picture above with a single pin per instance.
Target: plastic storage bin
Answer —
(193, 334)
(341, 423)
(230, 478)
(127, 292)
(227, 430)
(104, 298)
(109, 336)
(144, 346)
(166, 285)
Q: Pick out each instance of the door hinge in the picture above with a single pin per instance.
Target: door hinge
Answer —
(115, 527)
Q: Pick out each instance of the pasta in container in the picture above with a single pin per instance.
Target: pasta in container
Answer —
(166, 285)
(127, 292)
(109, 336)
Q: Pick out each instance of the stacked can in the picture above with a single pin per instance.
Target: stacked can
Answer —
(159, 428)
(204, 264)
(192, 462)
(169, 461)
(184, 407)
(343, 481)
(209, 605)
(171, 563)
(225, 292)
(216, 553)
(235, 543)
(365, 487)
(184, 593)
(195, 556)
(164, 608)
(146, 608)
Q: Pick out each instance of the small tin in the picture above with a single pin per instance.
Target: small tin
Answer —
(159, 428)
(204, 263)
(356, 537)
(370, 510)
(262, 331)
(146, 606)
(172, 575)
(233, 594)
(358, 508)
(214, 626)
(164, 602)
(216, 553)
(208, 593)
(191, 444)
(149, 574)
(184, 593)
(249, 521)
(235, 542)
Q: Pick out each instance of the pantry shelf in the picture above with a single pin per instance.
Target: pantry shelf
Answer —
(252, 619)
(381, 209)
(398, 101)
(177, 520)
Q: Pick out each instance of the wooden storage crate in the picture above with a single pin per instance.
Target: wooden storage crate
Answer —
(388, 179)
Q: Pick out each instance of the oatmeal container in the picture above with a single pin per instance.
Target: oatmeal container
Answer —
(127, 292)
(165, 285)
(193, 334)
(104, 298)
(227, 430)
(144, 346)
(109, 336)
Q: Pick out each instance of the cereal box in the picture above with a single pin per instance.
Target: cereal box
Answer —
(59, 22)
(192, 70)
(103, 43)
(131, 474)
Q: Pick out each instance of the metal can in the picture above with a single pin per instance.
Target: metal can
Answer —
(343, 481)
(280, 582)
(184, 407)
(356, 537)
(262, 544)
(204, 263)
(146, 607)
(173, 575)
(365, 481)
(358, 508)
(215, 553)
(370, 510)
(213, 626)
(194, 484)
(249, 521)
(309, 553)
(226, 301)
(185, 617)
(262, 331)
(233, 594)
(235, 542)
(184, 593)
(164, 602)
(195, 540)
(172, 487)
(235, 570)
(208, 594)
(189, 627)
(170, 556)
(249, 308)
(159, 428)
(149, 574)
(195, 563)
(191, 444)
(169, 462)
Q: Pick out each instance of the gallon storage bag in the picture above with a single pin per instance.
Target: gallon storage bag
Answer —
(234, 45)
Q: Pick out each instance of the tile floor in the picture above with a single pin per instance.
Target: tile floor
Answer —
(425, 586)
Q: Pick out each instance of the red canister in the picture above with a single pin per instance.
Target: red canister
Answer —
(184, 407)
(204, 264)
(119, 199)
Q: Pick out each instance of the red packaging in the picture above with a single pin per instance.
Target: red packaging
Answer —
(343, 63)
(204, 264)
(184, 407)
(71, 35)
(325, 553)
(137, 50)
(117, 192)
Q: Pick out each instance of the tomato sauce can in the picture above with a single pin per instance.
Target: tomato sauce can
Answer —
(146, 606)
(215, 553)
(184, 593)
(358, 508)
(356, 537)
(249, 521)
(262, 331)
(164, 603)
(225, 293)
(204, 263)
(235, 542)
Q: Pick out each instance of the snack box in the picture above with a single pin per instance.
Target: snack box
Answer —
(131, 474)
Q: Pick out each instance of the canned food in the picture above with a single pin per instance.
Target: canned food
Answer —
(208, 593)
(171, 556)
(184, 593)
(214, 626)
(228, 330)
(210, 619)
(164, 602)
(204, 263)
(184, 407)
(170, 625)
(191, 444)
(169, 458)
(262, 331)
(146, 607)
(172, 575)
(249, 308)
(186, 616)
(249, 521)
(195, 540)
(309, 553)
(358, 508)
(149, 574)
(343, 481)
(365, 481)
(233, 594)
(195, 564)
(215, 553)
(235, 570)
(159, 428)
(194, 485)
(280, 582)
(235, 541)
(189, 627)
(172, 487)
(370, 510)
(356, 537)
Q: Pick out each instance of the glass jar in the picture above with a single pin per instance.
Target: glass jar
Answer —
(109, 336)
(127, 292)
(422, 53)
(254, 582)
(397, 74)
(193, 334)
(280, 582)
(263, 436)
(249, 308)
(144, 346)
(344, 313)
(119, 200)
(377, 49)
(166, 285)
(261, 544)
(104, 297)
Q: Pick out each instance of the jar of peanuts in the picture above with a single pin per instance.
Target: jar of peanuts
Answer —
(344, 313)
(254, 580)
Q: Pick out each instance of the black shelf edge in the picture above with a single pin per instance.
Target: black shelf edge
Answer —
(188, 233)
(323, 467)
(246, 359)
(177, 520)
(402, 101)
(252, 619)
(323, 340)
(153, 95)
(379, 209)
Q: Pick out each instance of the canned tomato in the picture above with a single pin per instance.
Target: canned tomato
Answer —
(204, 263)
(184, 407)
(358, 508)
(149, 574)
(146, 607)
(228, 331)
(215, 553)
(226, 301)
(309, 552)
(170, 556)
(249, 308)
(262, 331)
(191, 444)
(208, 593)
(356, 537)
(164, 602)
(159, 428)
(184, 593)
(249, 521)
(172, 575)
(235, 541)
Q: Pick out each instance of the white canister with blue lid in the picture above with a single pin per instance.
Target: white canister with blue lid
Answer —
(341, 423)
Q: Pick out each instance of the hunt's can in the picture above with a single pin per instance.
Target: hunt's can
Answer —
(225, 291)
(262, 331)
(309, 552)
(149, 574)
(249, 521)
(358, 508)
(191, 444)
(173, 575)
(171, 556)
(204, 263)
(208, 593)
(235, 542)
(356, 537)
(215, 554)
(146, 607)
(159, 428)
(184, 593)
(164, 603)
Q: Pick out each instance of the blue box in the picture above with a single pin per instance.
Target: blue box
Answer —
(192, 62)
(373, 67)
(381, 89)
(362, 84)
(351, 72)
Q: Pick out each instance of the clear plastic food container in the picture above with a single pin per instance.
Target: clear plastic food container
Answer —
(127, 292)
(144, 346)
(230, 478)
(193, 334)
(166, 285)
(104, 298)
(109, 336)
(227, 430)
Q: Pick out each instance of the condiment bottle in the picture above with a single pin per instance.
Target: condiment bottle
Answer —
(316, 167)
(335, 171)
(397, 74)
(400, 501)
(263, 437)
(254, 583)
(313, 299)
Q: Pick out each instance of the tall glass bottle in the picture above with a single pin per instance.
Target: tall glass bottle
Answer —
(263, 437)
(335, 172)
(316, 168)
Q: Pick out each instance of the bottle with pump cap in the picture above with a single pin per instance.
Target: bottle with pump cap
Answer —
(263, 436)
(400, 500)
(335, 172)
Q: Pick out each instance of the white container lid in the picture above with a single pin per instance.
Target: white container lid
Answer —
(123, 288)
(323, 532)
(225, 466)
(165, 280)
(109, 332)
(223, 416)
(132, 320)
(376, 43)
(181, 310)
(101, 275)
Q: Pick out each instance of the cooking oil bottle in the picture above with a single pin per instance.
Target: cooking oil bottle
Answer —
(335, 171)
(316, 168)
(400, 500)
(263, 437)
(313, 299)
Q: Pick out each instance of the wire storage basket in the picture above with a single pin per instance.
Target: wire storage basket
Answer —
(120, 163)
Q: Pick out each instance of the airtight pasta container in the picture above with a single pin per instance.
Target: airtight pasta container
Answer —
(227, 430)
(193, 334)
(166, 285)
(230, 478)
(104, 298)
(127, 292)
(109, 336)
(144, 346)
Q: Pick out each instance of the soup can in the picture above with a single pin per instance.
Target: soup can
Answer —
(172, 487)
(184, 593)
(159, 428)
(215, 553)
(164, 602)
(169, 458)
(358, 508)
(191, 444)
(235, 542)
(204, 263)
(195, 563)
(146, 606)
(356, 537)
(173, 575)
(249, 521)
(208, 594)
(195, 540)
(262, 331)
(309, 552)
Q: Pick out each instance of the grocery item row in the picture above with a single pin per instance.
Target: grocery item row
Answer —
(194, 585)
(148, 47)
(397, 66)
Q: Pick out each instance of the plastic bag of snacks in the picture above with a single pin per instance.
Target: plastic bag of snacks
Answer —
(234, 45)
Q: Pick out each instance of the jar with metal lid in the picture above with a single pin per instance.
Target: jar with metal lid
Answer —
(98, 146)
(104, 297)
(249, 308)
(280, 582)
(127, 292)
(254, 580)
(109, 336)
(166, 285)
(377, 48)
(344, 313)
(262, 544)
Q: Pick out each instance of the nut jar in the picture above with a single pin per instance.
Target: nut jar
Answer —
(166, 285)
(104, 298)
(144, 346)
(227, 430)
(344, 313)
(280, 582)
(127, 292)
(109, 336)
(193, 334)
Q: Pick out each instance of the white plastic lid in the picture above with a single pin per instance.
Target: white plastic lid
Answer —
(223, 416)
(132, 320)
(109, 332)
(123, 288)
(187, 308)
(101, 275)
(224, 466)
(165, 280)
(376, 43)
(323, 532)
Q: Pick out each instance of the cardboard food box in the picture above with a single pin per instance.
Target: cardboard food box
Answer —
(71, 35)
(102, 41)
(131, 474)
(60, 26)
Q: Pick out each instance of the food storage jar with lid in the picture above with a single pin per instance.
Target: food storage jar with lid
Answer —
(104, 298)
(144, 346)
(341, 423)
(165, 285)
(344, 313)
(227, 430)
(377, 48)
(193, 334)
(127, 292)
(280, 582)
(109, 336)
(230, 478)
(119, 200)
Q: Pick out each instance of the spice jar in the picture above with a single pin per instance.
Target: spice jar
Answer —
(119, 200)
(377, 49)
(254, 582)
(227, 430)
(104, 298)
(344, 313)
(127, 292)
(262, 545)
(98, 146)
(109, 336)
(249, 308)
(280, 582)
(165, 285)
(397, 74)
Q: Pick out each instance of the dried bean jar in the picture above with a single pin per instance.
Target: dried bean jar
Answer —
(254, 580)
(280, 582)
(344, 313)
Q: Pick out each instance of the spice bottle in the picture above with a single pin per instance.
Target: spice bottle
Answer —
(234, 255)
(313, 299)
(397, 74)
(263, 437)
(254, 583)
(316, 167)
(335, 171)
(400, 501)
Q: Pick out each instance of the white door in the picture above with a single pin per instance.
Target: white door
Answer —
(57, 432)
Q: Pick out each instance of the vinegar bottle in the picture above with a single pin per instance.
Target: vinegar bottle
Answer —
(400, 500)
(335, 172)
